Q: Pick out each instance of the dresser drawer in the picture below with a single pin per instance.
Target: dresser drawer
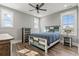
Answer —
(5, 48)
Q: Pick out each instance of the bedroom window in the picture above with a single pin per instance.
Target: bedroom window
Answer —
(69, 21)
(36, 24)
(6, 18)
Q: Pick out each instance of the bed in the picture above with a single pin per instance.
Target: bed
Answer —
(45, 40)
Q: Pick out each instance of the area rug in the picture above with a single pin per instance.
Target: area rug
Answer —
(26, 52)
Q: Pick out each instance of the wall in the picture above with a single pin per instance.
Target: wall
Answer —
(25, 20)
(20, 20)
(54, 19)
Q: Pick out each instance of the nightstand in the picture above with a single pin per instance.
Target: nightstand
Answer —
(67, 40)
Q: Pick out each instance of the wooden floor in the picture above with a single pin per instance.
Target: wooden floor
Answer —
(56, 50)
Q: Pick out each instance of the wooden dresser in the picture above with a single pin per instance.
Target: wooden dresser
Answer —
(5, 45)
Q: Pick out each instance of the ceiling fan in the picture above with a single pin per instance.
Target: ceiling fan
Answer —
(37, 7)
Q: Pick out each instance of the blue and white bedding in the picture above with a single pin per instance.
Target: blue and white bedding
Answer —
(50, 36)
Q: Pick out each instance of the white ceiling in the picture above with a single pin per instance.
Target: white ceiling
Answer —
(51, 8)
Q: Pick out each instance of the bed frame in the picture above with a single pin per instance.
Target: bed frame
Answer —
(48, 29)
(45, 43)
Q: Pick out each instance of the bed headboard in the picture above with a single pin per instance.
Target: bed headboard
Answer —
(52, 28)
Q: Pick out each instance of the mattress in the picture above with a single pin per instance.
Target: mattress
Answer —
(49, 36)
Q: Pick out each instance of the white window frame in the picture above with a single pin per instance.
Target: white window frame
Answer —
(36, 29)
(6, 11)
(75, 23)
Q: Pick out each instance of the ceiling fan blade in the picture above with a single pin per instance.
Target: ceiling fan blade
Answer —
(32, 5)
(37, 11)
(41, 5)
(43, 9)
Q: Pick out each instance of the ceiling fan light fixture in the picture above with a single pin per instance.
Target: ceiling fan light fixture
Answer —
(38, 7)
